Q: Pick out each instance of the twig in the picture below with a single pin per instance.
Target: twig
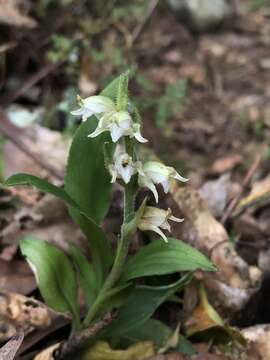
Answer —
(72, 346)
(245, 183)
(9, 131)
(138, 29)
(31, 81)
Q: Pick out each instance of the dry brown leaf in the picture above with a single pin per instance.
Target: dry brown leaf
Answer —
(203, 317)
(216, 194)
(9, 350)
(259, 337)
(48, 145)
(87, 85)
(23, 311)
(226, 163)
(17, 277)
(10, 14)
(232, 283)
(258, 196)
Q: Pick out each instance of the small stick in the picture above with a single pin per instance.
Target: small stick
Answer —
(10, 134)
(246, 182)
(137, 31)
(72, 346)
(31, 81)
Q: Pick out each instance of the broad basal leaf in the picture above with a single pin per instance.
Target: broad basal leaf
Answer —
(87, 277)
(42, 185)
(100, 246)
(159, 258)
(54, 274)
(140, 306)
(152, 330)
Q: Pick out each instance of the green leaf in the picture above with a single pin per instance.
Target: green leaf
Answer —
(100, 246)
(152, 330)
(87, 277)
(54, 274)
(159, 258)
(101, 251)
(140, 306)
(87, 180)
(42, 185)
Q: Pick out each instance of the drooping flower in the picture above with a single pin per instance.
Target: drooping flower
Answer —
(118, 123)
(152, 173)
(94, 105)
(123, 166)
(154, 219)
(136, 132)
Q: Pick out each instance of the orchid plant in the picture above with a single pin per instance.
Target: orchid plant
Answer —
(105, 150)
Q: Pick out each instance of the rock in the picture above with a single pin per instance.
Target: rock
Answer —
(201, 15)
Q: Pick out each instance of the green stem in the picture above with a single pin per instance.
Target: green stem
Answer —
(121, 254)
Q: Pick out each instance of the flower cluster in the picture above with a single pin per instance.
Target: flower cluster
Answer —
(120, 124)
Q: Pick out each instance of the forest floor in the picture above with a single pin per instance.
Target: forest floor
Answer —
(204, 98)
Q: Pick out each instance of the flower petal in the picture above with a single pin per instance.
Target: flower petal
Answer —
(173, 218)
(177, 176)
(159, 232)
(140, 138)
(126, 173)
(166, 186)
(116, 132)
(145, 182)
(113, 173)
(136, 132)
(77, 112)
(97, 132)
(98, 104)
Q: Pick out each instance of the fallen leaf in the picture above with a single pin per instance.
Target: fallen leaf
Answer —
(8, 351)
(102, 351)
(11, 15)
(259, 196)
(17, 277)
(204, 316)
(23, 311)
(232, 284)
(259, 337)
(226, 163)
(216, 194)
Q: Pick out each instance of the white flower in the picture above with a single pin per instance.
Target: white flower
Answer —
(154, 172)
(94, 105)
(118, 123)
(154, 219)
(123, 166)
